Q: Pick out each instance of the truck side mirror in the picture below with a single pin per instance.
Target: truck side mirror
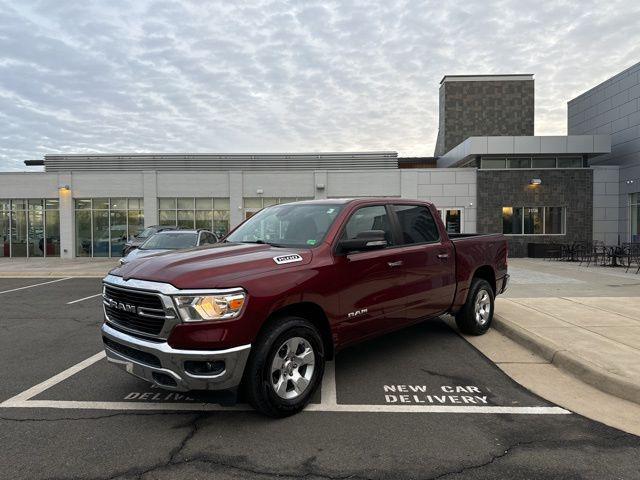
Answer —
(366, 240)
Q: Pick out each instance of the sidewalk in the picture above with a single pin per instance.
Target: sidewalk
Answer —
(56, 267)
(596, 338)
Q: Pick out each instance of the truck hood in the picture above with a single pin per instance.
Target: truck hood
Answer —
(213, 266)
(137, 253)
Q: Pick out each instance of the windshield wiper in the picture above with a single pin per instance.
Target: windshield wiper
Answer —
(262, 242)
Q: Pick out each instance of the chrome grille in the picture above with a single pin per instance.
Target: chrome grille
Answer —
(134, 310)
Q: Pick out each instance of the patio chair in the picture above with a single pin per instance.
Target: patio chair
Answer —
(566, 252)
(554, 250)
(598, 253)
(634, 257)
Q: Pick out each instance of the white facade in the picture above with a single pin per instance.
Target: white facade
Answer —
(448, 189)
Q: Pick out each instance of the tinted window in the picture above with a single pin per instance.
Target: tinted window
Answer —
(369, 218)
(416, 224)
(207, 238)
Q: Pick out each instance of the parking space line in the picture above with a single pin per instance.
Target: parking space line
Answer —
(338, 408)
(83, 299)
(328, 400)
(41, 387)
(328, 395)
(36, 285)
(438, 409)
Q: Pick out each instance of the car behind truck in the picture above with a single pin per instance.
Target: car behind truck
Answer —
(287, 289)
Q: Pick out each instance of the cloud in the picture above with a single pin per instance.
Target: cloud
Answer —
(282, 76)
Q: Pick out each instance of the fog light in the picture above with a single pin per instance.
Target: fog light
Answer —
(215, 367)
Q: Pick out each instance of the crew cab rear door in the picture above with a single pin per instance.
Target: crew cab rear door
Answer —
(428, 258)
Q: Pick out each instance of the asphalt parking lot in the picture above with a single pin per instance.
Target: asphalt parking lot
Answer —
(419, 403)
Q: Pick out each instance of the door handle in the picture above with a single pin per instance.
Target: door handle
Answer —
(395, 264)
(442, 256)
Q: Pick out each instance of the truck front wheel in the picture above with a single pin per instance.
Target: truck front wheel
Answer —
(285, 367)
(476, 315)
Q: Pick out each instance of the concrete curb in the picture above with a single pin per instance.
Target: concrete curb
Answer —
(568, 361)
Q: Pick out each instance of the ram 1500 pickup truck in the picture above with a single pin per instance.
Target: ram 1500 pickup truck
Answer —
(288, 288)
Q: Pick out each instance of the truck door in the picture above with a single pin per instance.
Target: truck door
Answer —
(428, 262)
(370, 281)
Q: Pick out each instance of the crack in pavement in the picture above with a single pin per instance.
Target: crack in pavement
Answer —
(306, 467)
(488, 462)
(506, 452)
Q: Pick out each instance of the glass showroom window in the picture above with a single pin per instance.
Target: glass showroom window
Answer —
(634, 215)
(30, 227)
(195, 212)
(530, 162)
(533, 220)
(255, 204)
(104, 224)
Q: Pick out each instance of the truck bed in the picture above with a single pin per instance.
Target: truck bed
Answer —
(473, 251)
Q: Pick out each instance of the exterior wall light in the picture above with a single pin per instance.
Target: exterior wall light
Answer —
(320, 186)
(64, 187)
(534, 182)
(259, 191)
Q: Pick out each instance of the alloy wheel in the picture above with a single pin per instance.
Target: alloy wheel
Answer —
(292, 368)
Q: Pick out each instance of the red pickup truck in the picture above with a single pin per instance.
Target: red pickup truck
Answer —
(282, 293)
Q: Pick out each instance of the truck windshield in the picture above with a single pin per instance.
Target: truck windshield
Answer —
(288, 225)
(171, 241)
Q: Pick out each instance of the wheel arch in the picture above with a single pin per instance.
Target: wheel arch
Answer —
(309, 311)
(486, 272)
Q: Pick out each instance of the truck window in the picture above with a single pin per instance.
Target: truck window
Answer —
(416, 224)
(288, 225)
(369, 218)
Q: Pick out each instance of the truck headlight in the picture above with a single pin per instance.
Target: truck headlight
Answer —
(198, 308)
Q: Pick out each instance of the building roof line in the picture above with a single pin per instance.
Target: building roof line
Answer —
(486, 77)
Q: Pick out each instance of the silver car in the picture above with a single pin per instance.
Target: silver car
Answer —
(170, 240)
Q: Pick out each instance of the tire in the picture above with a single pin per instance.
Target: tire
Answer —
(476, 315)
(276, 386)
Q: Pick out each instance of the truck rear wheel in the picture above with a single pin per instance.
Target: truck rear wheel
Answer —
(477, 314)
(285, 367)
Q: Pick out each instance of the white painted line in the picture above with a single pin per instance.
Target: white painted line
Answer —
(35, 285)
(328, 391)
(328, 400)
(83, 299)
(438, 409)
(207, 407)
(89, 405)
(41, 387)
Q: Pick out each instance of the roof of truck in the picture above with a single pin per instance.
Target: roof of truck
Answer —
(360, 199)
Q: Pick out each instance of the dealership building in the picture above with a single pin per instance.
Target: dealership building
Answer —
(489, 173)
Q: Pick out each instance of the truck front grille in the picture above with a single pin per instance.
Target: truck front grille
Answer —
(134, 310)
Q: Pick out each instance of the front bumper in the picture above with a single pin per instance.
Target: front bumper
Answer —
(167, 370)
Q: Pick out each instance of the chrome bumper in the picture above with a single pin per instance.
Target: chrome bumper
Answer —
(172, 363)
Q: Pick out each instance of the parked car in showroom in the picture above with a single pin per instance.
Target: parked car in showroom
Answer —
(288, 288)
(169, 240)
(137, 240)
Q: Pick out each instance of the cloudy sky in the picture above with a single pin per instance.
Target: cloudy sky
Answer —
(265, 76)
